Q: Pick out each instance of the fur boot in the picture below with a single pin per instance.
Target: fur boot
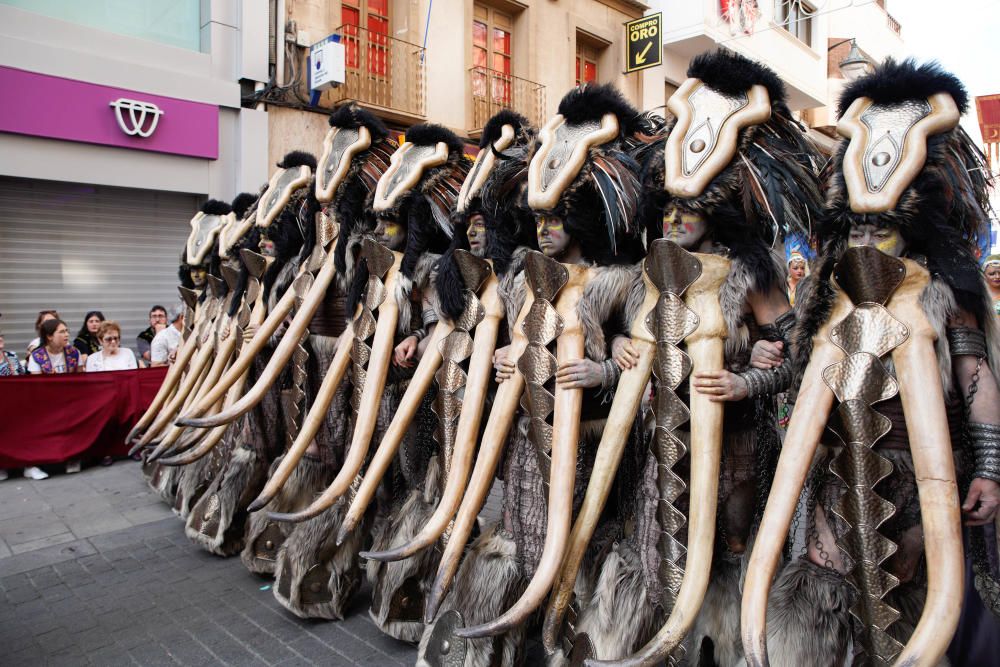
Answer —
(162, 479)
(400, 588)
(619, 619)
(808, 621)
(316, 578)
(489, 581)
(217, 522)
(265, 537)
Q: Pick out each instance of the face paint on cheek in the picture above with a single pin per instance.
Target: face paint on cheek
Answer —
(892, 246)
(393, 229)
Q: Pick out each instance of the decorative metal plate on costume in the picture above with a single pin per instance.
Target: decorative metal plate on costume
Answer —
(888, 147)
(406, 168)
(444, 649)
(485, 161)
(340, 146)
(279, 191)
(204, 229)
(561, 154)
(706, 136)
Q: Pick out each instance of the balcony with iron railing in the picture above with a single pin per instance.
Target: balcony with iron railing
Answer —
(493, 90)
(383, 72)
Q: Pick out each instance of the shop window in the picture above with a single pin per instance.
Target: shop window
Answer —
(491, 54)
(795, 16)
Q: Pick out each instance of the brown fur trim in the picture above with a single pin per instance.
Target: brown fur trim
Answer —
(225, 503)
(195, 478)
(733, 298)
(512, 290)
(489, 581)
(312, 544)
(939, 305)
(163, 480)
(308, 478)
(604, 297)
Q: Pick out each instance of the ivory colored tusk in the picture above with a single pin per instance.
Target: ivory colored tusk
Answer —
(219, 363)
(191, 381)
(624, 407)
(805, 429)
(562, 477)
(477, 383)
(289, 341)
(310, 426)
(378, 369)
(170, 381)
(706, 348)
(502, 417)
(394, 433)
(933, 463)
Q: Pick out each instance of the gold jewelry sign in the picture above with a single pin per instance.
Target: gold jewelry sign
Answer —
(644, 43)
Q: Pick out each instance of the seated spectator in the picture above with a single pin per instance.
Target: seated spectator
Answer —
(86, 339)
(163, 349)
(43, 315)
(54, 355)
(157, 323)
(112, 356)
(9, 363)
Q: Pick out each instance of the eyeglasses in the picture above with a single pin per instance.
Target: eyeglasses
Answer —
(111, 339)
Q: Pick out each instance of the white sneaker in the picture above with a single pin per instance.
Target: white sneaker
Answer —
(35, 473)
(73, 466)
(3, 475)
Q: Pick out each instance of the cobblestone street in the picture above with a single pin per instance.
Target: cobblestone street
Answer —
(95, 570)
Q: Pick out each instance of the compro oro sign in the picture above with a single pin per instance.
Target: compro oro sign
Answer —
(326, 64)
(644, 43)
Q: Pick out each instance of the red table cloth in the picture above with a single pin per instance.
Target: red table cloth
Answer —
(54, 418)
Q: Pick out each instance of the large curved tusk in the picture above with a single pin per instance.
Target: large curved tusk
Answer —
(394, 433)
(166, 390)
(562, 476)
(378, 368)
(480, 365)
(219, 364)
(187, 387)
(801, 440)
(289, 341)
(502, 417)
(310, 426)
(933, 464)
(705, 346)
(624, 407)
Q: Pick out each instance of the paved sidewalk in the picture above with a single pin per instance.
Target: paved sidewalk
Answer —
(95, 570)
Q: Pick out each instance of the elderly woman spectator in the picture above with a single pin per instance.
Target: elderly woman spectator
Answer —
(43, 315)
(87, 337)
(157, 323)
(112, 356)
(164, 346)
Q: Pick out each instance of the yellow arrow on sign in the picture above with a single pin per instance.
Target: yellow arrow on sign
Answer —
(641, 58)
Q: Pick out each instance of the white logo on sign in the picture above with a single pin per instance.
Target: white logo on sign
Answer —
(142, 116)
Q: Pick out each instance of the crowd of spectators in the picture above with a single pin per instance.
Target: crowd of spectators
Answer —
(97, 347)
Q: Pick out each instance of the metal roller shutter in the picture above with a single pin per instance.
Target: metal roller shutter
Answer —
(77, 247)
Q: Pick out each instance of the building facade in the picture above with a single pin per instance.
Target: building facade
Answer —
(119, 119)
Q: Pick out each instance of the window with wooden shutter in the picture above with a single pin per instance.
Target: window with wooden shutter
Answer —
(491, 54)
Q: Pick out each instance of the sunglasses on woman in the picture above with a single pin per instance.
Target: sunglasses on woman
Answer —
(111, 339)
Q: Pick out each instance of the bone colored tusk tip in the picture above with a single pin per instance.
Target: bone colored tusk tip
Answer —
(136, 448)
(294, 517)
(433, 603)
(198, 422)
(389, 556)
(345, 529)
(484, 630)
(259, 503)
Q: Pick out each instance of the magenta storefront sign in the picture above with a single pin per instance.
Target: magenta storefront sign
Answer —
(49, 106)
